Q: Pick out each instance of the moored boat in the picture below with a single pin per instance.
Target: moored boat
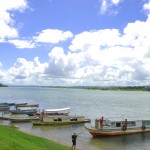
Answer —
(18, 111)
(18, 119)
(7, 104)
(27, 105)
(116, 127)
(4, 108)
(20, 104)
(60, 120)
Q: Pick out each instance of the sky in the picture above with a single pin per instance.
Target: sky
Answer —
(75, 42)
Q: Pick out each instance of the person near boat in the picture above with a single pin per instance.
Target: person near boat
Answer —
(42, 114)
(101, 122)
(124, 127)
(74, 138)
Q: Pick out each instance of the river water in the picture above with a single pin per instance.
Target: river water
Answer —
(90, 103)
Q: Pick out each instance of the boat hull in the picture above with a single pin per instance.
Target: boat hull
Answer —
(20, 104)
(23, 111)
(4, 108)
(39, 122)
(108, 133)
(19, 120)
(27, 105)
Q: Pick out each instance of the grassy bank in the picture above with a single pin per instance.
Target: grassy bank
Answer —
(13, 139)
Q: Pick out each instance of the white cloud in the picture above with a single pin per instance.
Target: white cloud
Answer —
(111, 55)
(95, 57)
(7, 26)
(146, 6)
(60, 64)
(95, 39)
(22, 43)
(26, 72)
(53, 36)
(115, 2)
(109, 6)
(1, 64)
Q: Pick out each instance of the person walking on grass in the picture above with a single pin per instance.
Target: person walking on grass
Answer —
(74, 138)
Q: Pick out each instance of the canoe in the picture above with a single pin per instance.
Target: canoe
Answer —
(28, 105)
(7, 104)
(107, 127)
(16, 119)
(60, 120)
(4, 108)
(18, 111)
(18, 104)
(11, 104)
(3, 104)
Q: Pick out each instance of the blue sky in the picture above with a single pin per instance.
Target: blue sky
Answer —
(75, 42)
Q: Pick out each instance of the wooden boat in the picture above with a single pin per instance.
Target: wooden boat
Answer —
(27, 105)
(3, 104)
(7, 104)
(4, 108)
(18, 119)
(11, 104)
(60, 120)
(116, 127)
(18, 104)
(4, 118)
(18, 111)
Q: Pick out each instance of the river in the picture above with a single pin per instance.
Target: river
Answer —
(90, 103)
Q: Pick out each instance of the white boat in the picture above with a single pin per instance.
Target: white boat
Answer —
(61, 111)
(116, 127)
(60, 120)
(53, 112)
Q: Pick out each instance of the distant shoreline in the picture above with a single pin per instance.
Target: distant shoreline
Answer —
(2, 85)
(111, 88)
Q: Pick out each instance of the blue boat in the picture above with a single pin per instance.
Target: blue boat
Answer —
(7, 104)
(18, 111)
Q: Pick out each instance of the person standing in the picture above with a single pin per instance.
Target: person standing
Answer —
(74, 138)
(101, 122)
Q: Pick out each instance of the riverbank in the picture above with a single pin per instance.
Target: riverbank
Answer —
(11, 138)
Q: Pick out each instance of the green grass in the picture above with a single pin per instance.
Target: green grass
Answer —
(13, 139)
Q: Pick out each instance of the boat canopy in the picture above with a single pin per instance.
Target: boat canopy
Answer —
(57, 110)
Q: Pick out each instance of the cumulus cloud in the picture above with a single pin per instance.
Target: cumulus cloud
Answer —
(146, 6)
(109, 6)
(7, 23)
(60, 64)
(95, 39)
(26, 72)
(111, 55)
(53, 36)
(22, 43)
(1, 64)
(96, 57)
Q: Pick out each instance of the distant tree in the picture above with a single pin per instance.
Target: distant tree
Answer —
(2, 85)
